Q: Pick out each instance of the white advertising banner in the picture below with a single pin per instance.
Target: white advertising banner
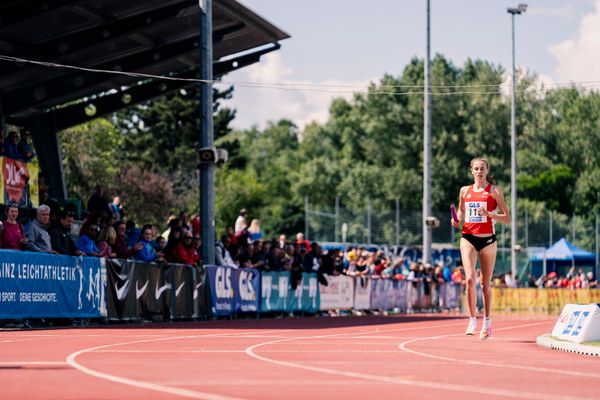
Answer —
(362, 293)
(338, 294)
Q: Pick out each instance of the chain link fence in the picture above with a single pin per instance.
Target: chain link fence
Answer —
(404, 228)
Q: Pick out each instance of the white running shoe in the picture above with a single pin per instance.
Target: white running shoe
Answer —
(472, 328)
(486, 329)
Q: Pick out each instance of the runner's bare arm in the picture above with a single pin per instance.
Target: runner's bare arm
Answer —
(461, 206)
(503, 215)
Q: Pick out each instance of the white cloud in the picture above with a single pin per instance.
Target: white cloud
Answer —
(300, 101)
(579, 57)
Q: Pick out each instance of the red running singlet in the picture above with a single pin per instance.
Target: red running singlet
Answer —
(476, 224)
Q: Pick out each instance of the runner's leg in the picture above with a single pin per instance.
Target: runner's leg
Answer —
(469, 260)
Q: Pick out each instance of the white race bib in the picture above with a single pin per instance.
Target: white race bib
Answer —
(471, 212)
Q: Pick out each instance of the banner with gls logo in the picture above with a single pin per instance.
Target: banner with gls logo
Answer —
(221, 290)
(247, 283)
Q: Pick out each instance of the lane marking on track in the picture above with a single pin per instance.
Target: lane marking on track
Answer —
(3, 363)
(71, 360)
(403, 346)
(407, 382)
(264, 382)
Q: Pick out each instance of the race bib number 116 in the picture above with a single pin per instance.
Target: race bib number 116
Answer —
(472, 214)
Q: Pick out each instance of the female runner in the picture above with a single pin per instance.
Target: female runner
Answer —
(481, 204)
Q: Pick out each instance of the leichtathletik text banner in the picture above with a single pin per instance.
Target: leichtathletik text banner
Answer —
(39, 285)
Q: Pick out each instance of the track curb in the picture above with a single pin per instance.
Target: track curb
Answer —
(548, 342)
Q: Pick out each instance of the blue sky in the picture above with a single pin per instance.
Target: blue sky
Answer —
(335, 42)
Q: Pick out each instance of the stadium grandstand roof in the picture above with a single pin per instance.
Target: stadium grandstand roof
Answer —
(149, 36)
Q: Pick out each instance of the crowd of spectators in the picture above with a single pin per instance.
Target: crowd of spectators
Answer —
(16, 145)
(103, 233)
(106, 232)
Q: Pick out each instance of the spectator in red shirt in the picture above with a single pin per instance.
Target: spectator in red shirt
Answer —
(301, 242)
(183, 253)
(195, 224)
(13, 234)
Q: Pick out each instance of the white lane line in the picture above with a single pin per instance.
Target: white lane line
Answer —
(242, 351)
(264, 382)
(72, 361)
(408, 382)
(403, 346)
(3, 363)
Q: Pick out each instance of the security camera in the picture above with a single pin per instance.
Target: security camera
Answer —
(212, 155)
(432, 222)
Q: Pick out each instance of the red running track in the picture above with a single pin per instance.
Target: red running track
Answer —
(425, 357)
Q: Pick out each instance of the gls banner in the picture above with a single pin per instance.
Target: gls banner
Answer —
(246, 283)
(220, 285)
(39, 285)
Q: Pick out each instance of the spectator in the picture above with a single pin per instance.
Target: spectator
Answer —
(222, 256)
(312, 259)
(38, 238)
(259, 257)
(282, 242)
(11, 146)
(97, 203)
(195, 224)
(161, 243)
(184, 221)
(457, 276)
(509, 281)
(197, 248)
(301, 242)
(145, 248)
(24, 149)
(120, 246)
(183, 252)
(255, 230)
(132, 233)
(87, 241)
(13, 234)
(231, 233)
(106, 239)
(241, 223)
(60, 234)
(117, 208)
(174, 239)
(447, 272)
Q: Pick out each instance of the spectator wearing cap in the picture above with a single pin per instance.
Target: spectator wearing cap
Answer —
(87, 241)
(241, 223)
(38, 238)
(60, 234)
(12, 235)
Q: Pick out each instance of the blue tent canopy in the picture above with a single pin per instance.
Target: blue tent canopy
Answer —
(561, 254)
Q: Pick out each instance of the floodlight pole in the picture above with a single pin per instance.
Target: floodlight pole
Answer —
(513, 149)
(427, 147)
(207, 170)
